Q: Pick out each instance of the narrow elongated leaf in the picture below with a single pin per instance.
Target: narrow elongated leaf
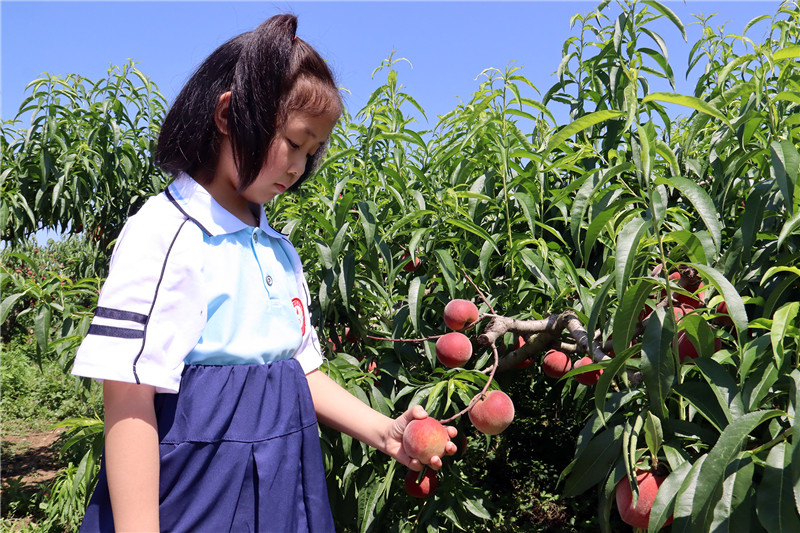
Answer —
(723, 385)
(784, 168)
(729, 293)
(448, 270)
(709, 484)
(703, 399)
(667, 12)
(658, 362)
(731, 513)
(595, 461)
(702, 203)
(627, 245)
(789, 228)
(665, 497)
(691, 102)
(685, 498)
(787, 53)
(472, 228)
(584, 122)
(794, 408)
(627, 316)
(416, 290)
(775, 495)
(781, 322)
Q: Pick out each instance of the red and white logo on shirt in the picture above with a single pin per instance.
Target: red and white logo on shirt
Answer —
(300, 310)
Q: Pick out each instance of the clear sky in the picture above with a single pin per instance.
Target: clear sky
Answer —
(448, 43)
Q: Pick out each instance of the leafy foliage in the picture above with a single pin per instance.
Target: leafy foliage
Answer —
(591, 216)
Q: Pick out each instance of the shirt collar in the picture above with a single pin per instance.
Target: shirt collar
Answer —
(198, 204)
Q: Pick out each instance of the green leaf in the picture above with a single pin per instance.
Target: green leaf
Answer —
(667, 12)
(732, 299)
(584, 122)
(627, 315)
(794, 404)
(658, 362)
(775, 494)
(709, 483)
(41, 327)
(789, 228)
(785, 162)
(702, 203)
(665, 497)
(701, 396)
(723, 385)
(787, 53)
(684, 499)
(416, 291)
(627, 245)
(595, 461)
(448, 270)
(781, 322)
(472, 228)
(731, 513)
(691, 102)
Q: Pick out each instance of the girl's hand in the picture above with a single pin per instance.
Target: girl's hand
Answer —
(394, 441)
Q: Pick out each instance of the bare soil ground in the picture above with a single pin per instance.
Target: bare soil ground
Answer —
(33, 457)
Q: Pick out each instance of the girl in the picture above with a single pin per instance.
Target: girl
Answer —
(202, 334)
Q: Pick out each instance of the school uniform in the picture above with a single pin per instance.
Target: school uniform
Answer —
(214, 314)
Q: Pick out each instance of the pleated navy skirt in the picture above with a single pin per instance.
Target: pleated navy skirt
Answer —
(240, 452)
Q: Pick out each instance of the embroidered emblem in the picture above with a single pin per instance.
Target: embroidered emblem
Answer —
(300, 310)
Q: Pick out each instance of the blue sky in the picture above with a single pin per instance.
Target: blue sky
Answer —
(448, 43)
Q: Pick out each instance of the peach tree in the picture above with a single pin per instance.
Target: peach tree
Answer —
(655, 234)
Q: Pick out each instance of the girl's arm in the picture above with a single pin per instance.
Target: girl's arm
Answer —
(131, 455)
(337, 408)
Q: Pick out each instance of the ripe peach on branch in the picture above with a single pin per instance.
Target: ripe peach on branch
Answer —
(458, 314)
(492, 413)
(453, 349)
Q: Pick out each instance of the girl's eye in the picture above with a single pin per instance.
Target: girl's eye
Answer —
(293, 145)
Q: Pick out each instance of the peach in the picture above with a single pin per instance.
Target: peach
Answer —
(453, 349)
(422, 488)
(687, 350)
(724, 319)
(458, 314)
(639, 516)
(492, 413)
(556, 364)
(410, 265)
(587, 378)
(425, 438)
(519, 344)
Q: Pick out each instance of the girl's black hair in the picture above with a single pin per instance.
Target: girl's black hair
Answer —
(270, 73)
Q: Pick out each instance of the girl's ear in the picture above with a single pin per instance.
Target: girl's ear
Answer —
(221, 112)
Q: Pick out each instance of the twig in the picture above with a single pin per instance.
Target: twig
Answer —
(478, 290)
(481, 394)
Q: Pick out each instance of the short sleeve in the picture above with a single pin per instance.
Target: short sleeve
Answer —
(309, 355)
(152, 308)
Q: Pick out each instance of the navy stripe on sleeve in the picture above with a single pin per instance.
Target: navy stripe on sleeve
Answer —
(111, 331)
(119, 314)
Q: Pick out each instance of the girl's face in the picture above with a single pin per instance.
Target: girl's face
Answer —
(300, 138)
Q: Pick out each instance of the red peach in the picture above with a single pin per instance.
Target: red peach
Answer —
(556, 364)
(410, 265)
(587, 378)
(724, 319)
(639, 516)
(519, 344)
(687, 350)
(422, 488)
(492, 413)
(424, 439)
(453, 349)
(458, 314)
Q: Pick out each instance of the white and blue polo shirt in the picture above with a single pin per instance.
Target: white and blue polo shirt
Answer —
(189, 283)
